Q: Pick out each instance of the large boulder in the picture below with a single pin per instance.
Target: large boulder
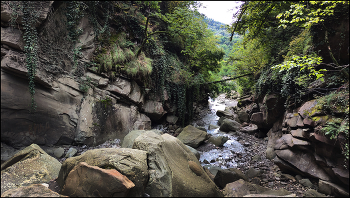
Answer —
(241, 188)
(174, 169)
(192, 136)
(130, 162)
(226, 114)
(272, 108)
(229, 125)
(87, 181)
(31, 165)
(329, 188)
(250, 129)
(33, 190)
(258, 119)
(243, 116)
(305, 162)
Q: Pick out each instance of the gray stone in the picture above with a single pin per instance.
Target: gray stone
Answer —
(223, 177)
(304, 162)
(292, 122)
(298, 177)
(31, 165)
(258, 119)
(252, 172)
(172, 119)
(307, 108)
(298, 133)
(342, 174)
(192, 136)
(242, 188)
(129, 139)
(212, 127)
(218, 140)
(71, 152)
(243, 116)
(58, 152)
(272, 109)
(229, 125)
(225, 114)
(329, 188)
(43, 9)
(273, 135)
(154, 110)
(251, 129)
(306, 183)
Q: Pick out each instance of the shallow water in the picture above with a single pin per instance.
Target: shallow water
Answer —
(219, 156)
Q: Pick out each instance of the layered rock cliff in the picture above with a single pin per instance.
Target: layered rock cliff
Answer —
(75, 105)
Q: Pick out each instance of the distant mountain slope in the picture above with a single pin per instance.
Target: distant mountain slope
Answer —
(224, 37)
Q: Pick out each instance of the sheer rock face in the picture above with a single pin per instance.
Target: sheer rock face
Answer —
(43, 12)
(67, 109)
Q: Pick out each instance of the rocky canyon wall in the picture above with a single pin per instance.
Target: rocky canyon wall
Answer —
(68, 109)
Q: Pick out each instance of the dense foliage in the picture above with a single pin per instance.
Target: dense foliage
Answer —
(297, 50)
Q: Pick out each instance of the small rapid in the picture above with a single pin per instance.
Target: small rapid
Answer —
(219, 156)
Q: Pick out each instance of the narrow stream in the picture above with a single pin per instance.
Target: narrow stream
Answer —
(219, 156)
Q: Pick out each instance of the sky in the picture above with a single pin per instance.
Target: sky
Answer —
(220, 10)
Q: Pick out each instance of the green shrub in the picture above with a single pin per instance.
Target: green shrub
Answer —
(129, 55)
(118, 55)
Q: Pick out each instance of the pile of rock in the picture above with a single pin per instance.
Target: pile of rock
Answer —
(295, 143)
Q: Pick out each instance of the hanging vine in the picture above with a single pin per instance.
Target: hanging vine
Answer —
(30, 37)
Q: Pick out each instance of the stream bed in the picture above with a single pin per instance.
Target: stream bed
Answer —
(219, 156)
